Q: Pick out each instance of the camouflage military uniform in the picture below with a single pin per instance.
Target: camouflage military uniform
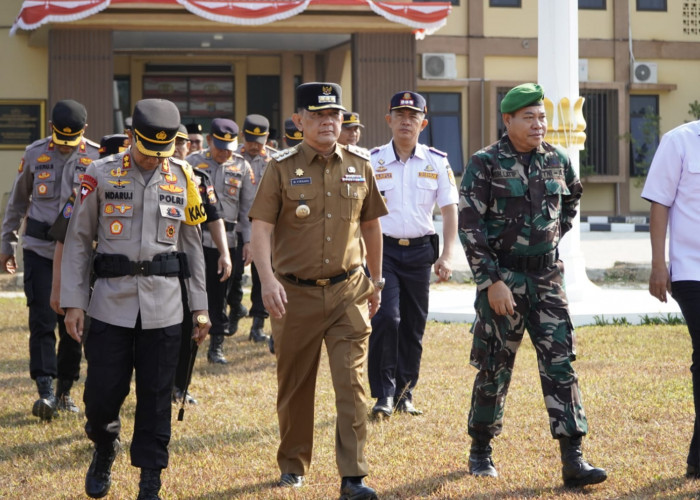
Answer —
(514, 208)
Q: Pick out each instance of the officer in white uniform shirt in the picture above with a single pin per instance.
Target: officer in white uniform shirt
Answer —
(412, 177)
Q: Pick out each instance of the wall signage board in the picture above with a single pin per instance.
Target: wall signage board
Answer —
(21, 122)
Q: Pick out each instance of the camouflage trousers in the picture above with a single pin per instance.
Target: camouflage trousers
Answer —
(541, 308)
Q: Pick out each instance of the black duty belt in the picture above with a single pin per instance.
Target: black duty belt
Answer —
(407, 242)
(323, 281)
(114, 265)
(37, 229)
(527, 262)
(228, 226)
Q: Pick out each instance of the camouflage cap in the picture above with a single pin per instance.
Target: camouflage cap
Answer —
(521, 96)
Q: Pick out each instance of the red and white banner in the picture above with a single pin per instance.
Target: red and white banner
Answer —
(424, 17)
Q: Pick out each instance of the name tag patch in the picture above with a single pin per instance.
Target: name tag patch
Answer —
(429, 175)
(300, 180)
(386, 175)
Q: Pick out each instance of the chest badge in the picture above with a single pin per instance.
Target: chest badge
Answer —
(299, 172)
(303, 210)
(351, 169)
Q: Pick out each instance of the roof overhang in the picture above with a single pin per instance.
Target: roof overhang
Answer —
(422, 18)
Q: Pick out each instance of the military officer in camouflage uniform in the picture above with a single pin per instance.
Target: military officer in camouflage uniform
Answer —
(316, 202)
(517, 199)
(231, 176)
(36, 194)
(143, 208)
(256, 130)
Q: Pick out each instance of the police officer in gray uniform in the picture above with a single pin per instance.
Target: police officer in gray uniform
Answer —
(256, 130)
(231, 176)
(143, 208)
(36, 194)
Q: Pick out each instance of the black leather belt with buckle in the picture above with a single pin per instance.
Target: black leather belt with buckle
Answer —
(323, 281)
(407, 242)
(528, 262)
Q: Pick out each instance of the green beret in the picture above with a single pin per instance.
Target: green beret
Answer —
(523, 95)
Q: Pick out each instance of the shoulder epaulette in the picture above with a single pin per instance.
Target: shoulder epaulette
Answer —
(375, 150)
(38, 142)
(92, 143)
(358, 151)
(437, 152)
(269, 150)
(284, 154)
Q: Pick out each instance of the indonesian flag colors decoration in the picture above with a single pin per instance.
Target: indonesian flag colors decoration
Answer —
(424, 17)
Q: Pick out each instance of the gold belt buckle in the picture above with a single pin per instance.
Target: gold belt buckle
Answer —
(404, 242)
(323, 282)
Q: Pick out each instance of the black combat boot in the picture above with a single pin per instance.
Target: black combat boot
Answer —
(256, 331)
(234, 316)
(216, 350)
(575, 470)
(149, 485)
(480, 461)
(63, 400)
(99, 476)
(354, 488)
(45, 406)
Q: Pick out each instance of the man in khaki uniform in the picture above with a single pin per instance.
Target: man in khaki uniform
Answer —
(316, 200)
(143, 208)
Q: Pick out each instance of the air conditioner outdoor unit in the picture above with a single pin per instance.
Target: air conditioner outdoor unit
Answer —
(439, 66)
(644, 72)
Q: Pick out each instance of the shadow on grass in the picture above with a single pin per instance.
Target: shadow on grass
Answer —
(32, 449)
(14, 366)
(240, 492)
(667, 488)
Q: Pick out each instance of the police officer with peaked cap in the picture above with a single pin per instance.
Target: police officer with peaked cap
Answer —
(231, 176)
(413, 178)
(256, 130)
(143, 208)
(36, 194)
(352, 129)
(518, 197)
(313, 204)
(292, 135)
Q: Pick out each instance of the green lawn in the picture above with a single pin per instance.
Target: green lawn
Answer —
(635, 382)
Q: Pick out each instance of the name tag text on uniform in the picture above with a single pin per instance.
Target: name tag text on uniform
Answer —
(386, 175)
(429, 175)
(300, 180)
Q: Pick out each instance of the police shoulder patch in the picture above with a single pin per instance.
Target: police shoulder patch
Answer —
(358, 151)
(285, 153)
(437, 152)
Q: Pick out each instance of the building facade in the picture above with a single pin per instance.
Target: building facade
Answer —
(639, 60)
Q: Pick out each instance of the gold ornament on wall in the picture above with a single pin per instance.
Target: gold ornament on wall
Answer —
(568, 128)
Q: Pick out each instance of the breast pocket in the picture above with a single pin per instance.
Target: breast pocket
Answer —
(45, 184)
(303, 196)
(116, 217)
(507, 198)
(171, 216)
(232, 185)
(555, 188)
(426, 192)
(352, 196)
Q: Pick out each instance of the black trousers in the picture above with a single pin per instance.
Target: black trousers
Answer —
(113, 353)
(235, 291)
(687, 294)
(396, 342)
(257, 309)
(43, 360)
(216, 292)
(185, 361)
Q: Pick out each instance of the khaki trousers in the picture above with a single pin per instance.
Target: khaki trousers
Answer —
(337, 314)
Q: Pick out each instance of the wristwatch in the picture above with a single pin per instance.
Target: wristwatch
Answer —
(379, 284)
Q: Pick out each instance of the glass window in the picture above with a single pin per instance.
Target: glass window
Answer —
(504, 3)
(444, 130)
(659, 5)
(601, 149)
(591, 4)
(123, 87)
(644, 132)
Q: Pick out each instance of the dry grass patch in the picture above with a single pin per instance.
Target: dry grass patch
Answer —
(636, 388)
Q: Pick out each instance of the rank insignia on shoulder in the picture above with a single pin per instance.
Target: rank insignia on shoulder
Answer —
(358, 151)
(437, 152)
(376, 150)
(284, 154)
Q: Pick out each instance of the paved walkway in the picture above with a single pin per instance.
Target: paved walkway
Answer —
(601, 250)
